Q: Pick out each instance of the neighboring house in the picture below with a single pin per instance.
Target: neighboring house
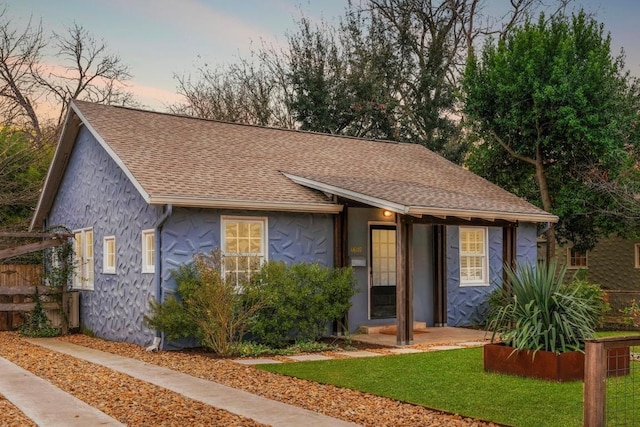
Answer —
(144, 192)
(614, 264)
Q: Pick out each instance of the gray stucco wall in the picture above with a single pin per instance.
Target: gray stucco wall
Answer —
(293, 237)
(466, 305)
(94, 192)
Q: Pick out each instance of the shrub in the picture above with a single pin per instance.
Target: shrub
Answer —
(540, 313)
(592, 292)
(36, 323)
(631, 314)
(207, 306)
(300, 301)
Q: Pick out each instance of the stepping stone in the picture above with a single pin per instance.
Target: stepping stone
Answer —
(308, 357)
(255, 361)
(359, 354)
(405, 350)
(445, 347)
(472, 343)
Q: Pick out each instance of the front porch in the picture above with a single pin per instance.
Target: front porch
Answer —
(422, 336)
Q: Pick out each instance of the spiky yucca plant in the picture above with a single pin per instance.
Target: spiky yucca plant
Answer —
(536, 312)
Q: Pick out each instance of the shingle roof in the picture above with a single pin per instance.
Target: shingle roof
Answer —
(190, 161)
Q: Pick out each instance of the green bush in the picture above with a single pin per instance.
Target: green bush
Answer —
(592, 292)
(207, 306)
(540, 313)
(36, 323)
(300, 301)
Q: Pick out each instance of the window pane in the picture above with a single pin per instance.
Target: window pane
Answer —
(242, 238)
(89, 244)
(243, 229)
(255, 245)
(473, 267)
(383, 253)
(231, 244)
(243, 245)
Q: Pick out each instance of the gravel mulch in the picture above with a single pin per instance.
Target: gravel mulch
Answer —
(349, 405)
(128, 400)
(137, 403)
(10, 416)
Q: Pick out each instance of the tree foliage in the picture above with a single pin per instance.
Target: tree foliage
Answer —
(388, 70)
(22, 169)
(551, 103)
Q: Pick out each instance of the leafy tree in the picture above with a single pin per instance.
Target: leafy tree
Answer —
(390, 69)
(22, 169)
(550, 103)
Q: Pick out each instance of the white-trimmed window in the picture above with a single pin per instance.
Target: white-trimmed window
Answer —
(109, 255)
(244, 246)
(83, 259)
(148, 251)
(577, 259)
(636, 251)
(474, 268)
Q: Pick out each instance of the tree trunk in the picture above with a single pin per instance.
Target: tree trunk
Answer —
(545, 197)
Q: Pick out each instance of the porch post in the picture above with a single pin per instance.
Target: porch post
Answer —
(440, 274)
(509, 250)
(404, 281)
(340, 258)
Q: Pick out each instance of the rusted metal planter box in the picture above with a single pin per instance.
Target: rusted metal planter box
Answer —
(545, 365)
(549, 366)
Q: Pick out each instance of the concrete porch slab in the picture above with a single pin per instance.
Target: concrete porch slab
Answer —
(432, 335)
(389, 328)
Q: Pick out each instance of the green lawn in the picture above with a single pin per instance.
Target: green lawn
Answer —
(452, 381)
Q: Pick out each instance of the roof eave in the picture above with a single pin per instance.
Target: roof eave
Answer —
(56, 169)
(258, 205)
(486, 215)
(421, 210)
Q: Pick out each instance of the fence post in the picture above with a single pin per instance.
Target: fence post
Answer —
(595, 381)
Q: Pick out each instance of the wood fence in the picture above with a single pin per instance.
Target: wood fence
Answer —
(18, 284)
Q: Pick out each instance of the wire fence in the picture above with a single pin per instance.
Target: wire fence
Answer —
(623, 389)
(612, 382)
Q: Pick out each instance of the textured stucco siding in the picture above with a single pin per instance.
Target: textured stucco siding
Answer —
(293, 237)
(95, 192)
(467, 305)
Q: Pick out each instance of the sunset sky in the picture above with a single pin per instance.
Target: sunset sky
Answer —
(161, 38)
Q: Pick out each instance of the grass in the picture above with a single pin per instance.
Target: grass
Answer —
(451, 381)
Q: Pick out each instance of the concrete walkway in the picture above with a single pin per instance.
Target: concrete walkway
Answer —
(239, 402)
(45, 403)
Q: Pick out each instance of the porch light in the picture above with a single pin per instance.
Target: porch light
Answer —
(387, 214)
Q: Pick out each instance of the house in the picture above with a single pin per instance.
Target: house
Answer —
(614, 264)
(144, 191)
